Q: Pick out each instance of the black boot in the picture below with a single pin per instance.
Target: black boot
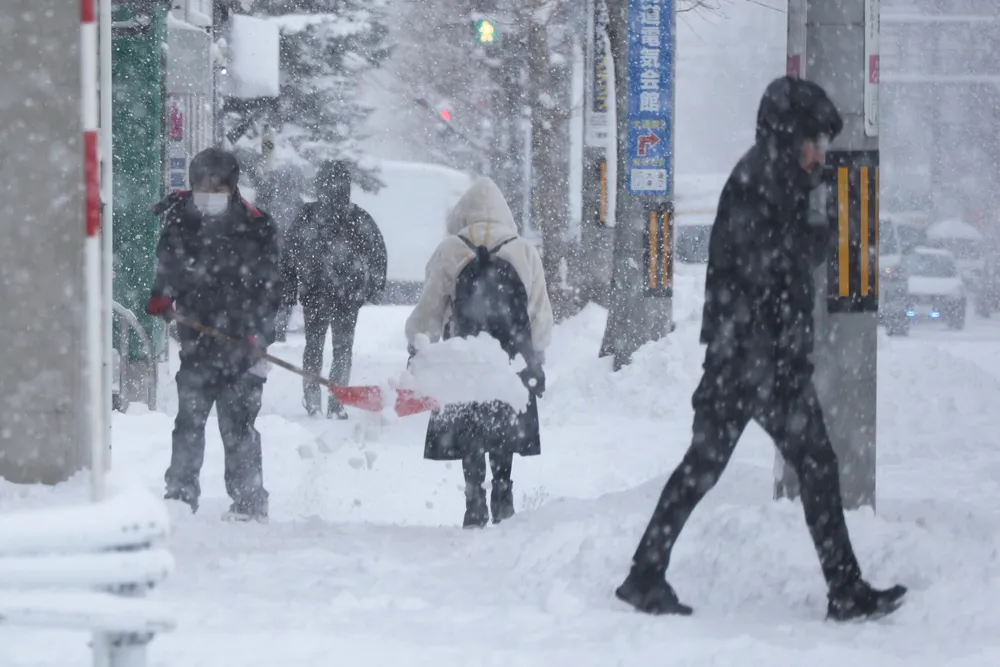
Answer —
(312, 401)
(476, 513)
(247, 509)
(859, 600)
(502, 500)
(650, 593)
(334, 410)
(184, 495)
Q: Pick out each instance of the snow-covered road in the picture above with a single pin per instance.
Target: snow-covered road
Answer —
(363, 562)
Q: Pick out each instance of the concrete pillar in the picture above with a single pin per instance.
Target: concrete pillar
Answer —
(42, 418)
(847, 288)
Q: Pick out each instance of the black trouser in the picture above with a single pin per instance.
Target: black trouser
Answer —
(281, 323)
(341, 320)
(474, 469)
(795, 421)
(237, 401)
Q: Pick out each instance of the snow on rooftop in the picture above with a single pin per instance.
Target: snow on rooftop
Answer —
(340, 25)
(254, 59)
(924, 250)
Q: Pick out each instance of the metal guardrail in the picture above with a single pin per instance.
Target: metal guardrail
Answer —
(89, 567)
(131, 323)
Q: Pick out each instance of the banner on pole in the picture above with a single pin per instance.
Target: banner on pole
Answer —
(598, 111)
(796, 58)
(871, 67)
(649, 160)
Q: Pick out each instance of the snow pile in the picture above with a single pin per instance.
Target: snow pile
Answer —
(461, 370)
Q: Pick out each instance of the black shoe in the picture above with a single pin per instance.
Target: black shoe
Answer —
(477, 515)
(312, 406)
(502, 501)
(336, 410)
(186, 496)
(246, 511)
(651, 594)
(860, 601)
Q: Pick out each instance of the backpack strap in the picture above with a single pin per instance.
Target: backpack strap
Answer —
(475, 248)
(497, 247)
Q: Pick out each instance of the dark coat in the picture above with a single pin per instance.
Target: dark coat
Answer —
(333, 258)
(759, 289)
(486, 427)
(222, 273)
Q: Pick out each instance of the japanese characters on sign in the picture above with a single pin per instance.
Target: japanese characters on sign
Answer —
(649, 160)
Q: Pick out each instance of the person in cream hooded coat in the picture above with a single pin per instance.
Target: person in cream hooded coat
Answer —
(468, 431)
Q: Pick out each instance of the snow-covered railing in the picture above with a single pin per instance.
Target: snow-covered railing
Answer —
(89, 567)
(128, 322)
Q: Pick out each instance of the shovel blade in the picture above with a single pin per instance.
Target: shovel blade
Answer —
(370, 398)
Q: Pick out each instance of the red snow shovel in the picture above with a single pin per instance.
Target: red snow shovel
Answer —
(365, 397)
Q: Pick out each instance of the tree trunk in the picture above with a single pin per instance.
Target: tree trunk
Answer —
(550, 163)
(632, 319)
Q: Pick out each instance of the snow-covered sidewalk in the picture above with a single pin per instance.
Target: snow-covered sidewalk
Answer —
(363, 562)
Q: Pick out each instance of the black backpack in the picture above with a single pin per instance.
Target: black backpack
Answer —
(490, 297)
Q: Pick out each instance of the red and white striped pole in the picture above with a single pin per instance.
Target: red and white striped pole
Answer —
(92, 245)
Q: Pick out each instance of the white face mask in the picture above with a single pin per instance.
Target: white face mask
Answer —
(211, 203)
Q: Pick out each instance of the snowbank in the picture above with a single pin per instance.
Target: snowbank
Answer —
(364, 557)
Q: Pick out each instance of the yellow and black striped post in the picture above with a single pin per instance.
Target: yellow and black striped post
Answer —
(852, 270)
(659, 251)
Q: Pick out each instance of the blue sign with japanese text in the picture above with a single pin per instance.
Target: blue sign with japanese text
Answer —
(649, 160)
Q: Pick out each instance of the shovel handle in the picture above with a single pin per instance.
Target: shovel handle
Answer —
(226, 338)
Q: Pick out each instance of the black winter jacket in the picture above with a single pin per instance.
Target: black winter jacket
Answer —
(333, 258)
(222, 272)
(759, 290)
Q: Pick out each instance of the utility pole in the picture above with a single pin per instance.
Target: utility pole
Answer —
(835, 44)
(596, 235)
(641, 34)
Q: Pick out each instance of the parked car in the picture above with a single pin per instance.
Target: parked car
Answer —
(934, 292)
(966, 243)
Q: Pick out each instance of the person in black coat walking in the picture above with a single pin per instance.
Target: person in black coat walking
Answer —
(334, 257)
(217, 263)
(758, 328)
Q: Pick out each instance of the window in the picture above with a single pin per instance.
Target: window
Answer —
(930, 265)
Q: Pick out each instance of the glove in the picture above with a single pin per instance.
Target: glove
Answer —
(533, 378)
(159, 306)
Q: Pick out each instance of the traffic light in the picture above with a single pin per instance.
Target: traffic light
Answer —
(486, 32)
(445, 115)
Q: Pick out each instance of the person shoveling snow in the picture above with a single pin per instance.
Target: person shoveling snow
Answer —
(482, 279)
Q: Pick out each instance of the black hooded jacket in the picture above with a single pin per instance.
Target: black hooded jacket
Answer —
(759, 290)
(222, 272)
(334, 256)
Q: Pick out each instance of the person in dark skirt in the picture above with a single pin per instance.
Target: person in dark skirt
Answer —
(484, 278)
